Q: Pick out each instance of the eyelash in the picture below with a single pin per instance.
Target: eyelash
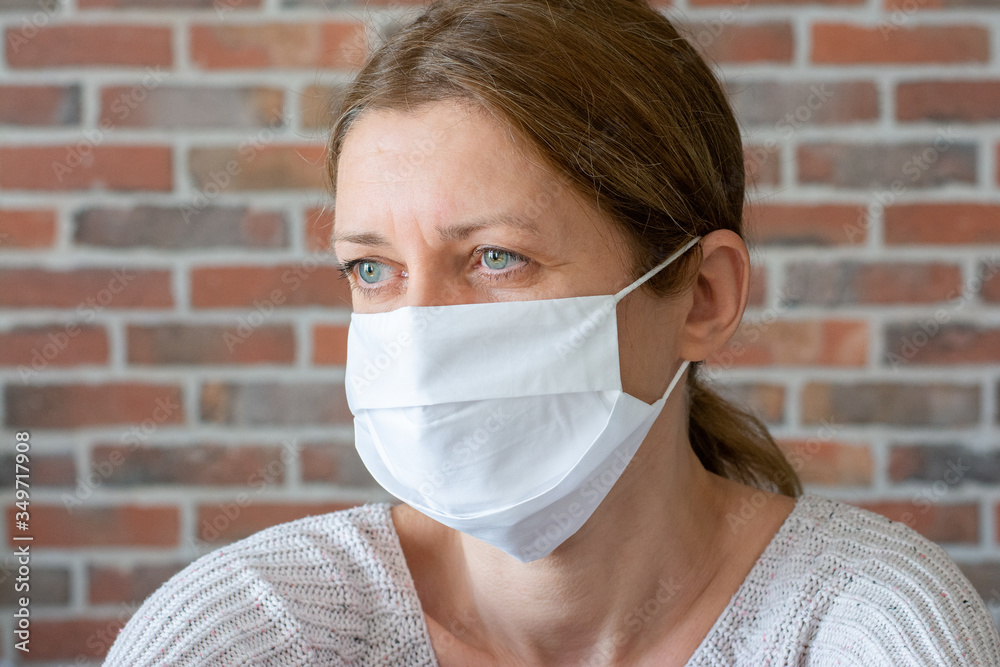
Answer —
(346, 269)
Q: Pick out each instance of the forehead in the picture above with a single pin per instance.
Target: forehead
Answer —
(450, 140)
(447, 162)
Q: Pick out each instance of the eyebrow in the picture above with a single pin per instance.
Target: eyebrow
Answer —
(458, 232)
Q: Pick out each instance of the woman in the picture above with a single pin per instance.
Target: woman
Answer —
(538, 207)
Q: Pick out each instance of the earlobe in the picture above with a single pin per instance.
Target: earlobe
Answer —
(719, 295)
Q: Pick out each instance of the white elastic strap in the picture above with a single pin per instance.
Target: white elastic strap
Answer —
(677, 376)
(648, 274)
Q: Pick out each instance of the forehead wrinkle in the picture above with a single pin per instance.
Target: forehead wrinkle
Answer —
(458, 232)
(462, 231)
(361, 238)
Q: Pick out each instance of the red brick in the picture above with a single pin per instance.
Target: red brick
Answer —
(788, 105)
(49, 586)
(39, 105)
(988, 274)
(998, 162)
(335, 463)
(201, 464)
(37, 348)
(180, 228)
(767, 401)
(950, 223)
(319, 229)
(274, 403)
(330, 344)
(320, 106)
(896, 167)
(233, 520)
(948, 101)
(27, 6)
(878, 283)
(795, 343)
(86, 525)
(90, 45)
(805, 224)
(87, 290)
(931, 404)
(930, 342)
(73, 640)
(192, 107)
(738, 42)
(46, 470)
(840, 43)
(110, 585)
(248, 342)
(289, 45)
(88, 168)
(265, 287)
(221, 6)
(27, 228)
(79, 405)
(951, 523)
(259, 166)
(951, 464)
(828, 463)
(762, 165)
(985, 578)
(907, 7)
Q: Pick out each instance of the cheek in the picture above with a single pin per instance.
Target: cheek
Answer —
(645, 349)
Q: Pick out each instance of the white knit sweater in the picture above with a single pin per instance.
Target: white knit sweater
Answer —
(837, 585)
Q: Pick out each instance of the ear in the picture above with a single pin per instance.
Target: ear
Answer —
(719, 297)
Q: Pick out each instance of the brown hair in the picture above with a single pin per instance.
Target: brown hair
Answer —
(613, 99)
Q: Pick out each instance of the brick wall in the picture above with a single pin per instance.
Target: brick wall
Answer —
(172, 333)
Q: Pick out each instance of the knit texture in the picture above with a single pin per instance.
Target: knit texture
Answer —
(837, 585)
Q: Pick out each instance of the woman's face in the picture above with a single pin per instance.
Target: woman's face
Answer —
(441, 206)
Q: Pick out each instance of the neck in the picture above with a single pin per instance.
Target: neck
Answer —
(636, 568)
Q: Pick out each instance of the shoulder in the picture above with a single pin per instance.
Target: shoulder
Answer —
(325, 590)
(850, 585)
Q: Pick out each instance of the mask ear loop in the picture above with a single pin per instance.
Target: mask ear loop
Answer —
(624, 292)
(677, 376)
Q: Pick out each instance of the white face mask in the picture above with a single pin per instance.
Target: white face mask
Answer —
(503, 420)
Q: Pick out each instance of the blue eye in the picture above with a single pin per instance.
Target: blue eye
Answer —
(496, 259)
(370, 272)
